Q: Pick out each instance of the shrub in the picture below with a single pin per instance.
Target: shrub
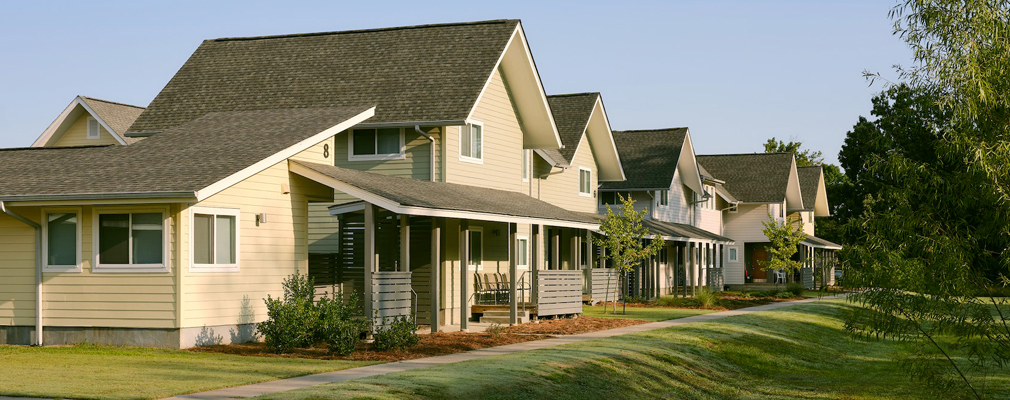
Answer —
(291, 321)
(339, 326)
(401, 333)
(707, 298)
(773, 293)
(495, 330)
(795, 288)
(784, 295)
(634, 299)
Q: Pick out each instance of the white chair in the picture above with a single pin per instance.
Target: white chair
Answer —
(780, 276)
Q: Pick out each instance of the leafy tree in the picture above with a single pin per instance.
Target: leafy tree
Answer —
(784, 235)
(624, 238)
(936, 250)
(804, 157)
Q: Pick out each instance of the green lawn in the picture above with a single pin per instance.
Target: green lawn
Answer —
(89, 371)
(644, 313)
(795, 352)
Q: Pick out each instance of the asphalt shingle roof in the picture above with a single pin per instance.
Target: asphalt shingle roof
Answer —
(180, 160)
(119, 116)
(412, 74)
(450, 196)
(571, 115)
(649, 157)
(809, 176)
(757, 178)
(682, 231)
(815, 241)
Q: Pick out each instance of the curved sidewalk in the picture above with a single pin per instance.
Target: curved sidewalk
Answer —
(259, 389)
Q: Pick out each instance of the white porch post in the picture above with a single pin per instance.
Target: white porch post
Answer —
(404, 244)
(513, 271)
(464, 261)
(370, 263)
(436, 277)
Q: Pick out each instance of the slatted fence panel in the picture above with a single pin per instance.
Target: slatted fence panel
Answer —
(391, 296)
(559, 292)
(602, 279)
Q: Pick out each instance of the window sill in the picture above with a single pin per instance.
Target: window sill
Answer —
(380, 157)
(471, 160)
(214, 268)
(585, 194)
(61, 268)
(130, 269)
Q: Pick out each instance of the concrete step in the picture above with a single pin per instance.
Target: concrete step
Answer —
(503, 317)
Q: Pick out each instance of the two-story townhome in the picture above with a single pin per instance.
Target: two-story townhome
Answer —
(421, 166)
(664, 179)
(766, 186)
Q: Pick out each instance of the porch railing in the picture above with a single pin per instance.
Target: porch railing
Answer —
(604, 284)
(558, 292)
(392, 296)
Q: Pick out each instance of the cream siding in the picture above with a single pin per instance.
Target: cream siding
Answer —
(17, 267)
(562, 189)
(745, 224)
(679, 210)
(733, 271)
(77, 135)
(502, 140)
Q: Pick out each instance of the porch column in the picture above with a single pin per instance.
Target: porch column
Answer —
(556, 250)
(464, 261)
(656, 280)
(722, 267)
(684, 263)
(513, 271)
(695, 254)
(369, 262)
(404, 243)
(436, 268)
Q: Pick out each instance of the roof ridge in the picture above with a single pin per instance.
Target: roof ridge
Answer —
(649, 130)
(55, 148)
(574, 94)
(112, 102)
(746, 154)
(369, 30)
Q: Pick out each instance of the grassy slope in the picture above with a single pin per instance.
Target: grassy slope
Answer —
(796, 352)
(643, 313)
(89, 371)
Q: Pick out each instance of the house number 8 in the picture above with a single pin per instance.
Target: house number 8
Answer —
(326, 151)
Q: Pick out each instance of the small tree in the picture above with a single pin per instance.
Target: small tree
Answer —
(785, 236)
(624, 238)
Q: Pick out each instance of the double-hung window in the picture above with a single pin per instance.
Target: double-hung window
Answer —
(93, 128)
(522, 253)
(132, 241)
(664, 197)
(471, 143)
(62, 240)
(585, 181)
(376, 144)
(215, 239)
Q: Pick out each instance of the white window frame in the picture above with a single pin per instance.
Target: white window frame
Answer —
(476, 267)
(527, 165)
(733, 254)
(523, 262)
(663, 198)
(166, 225)
(590, 183)
(45, 239)
(215, 211)
(376, 157)
(98, 128)
(468, 129)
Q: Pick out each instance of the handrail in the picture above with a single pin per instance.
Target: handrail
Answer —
(413, 300)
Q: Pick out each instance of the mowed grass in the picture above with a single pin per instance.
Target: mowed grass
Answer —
(643, 313)
(104, 372)
(798, 352)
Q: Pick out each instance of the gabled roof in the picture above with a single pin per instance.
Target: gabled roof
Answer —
(196, 159)
(114, 117)
(813, 188)
(752, 178)
(421, 197)
(581, 115)
(651, 157)
(675, 231)
(415, 74)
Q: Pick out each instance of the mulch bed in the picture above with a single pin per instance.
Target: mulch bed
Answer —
(436, 344)
(572, 326)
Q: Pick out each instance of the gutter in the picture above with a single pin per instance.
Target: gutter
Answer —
(38, 268)
(417, 128)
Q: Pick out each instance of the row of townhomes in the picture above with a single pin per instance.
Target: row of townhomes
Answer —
(423, 168)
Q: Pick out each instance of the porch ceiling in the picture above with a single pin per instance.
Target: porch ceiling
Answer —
(439, 199)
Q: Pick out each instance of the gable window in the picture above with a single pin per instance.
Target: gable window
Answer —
(732, 254)
(585, 181)
(93, 128)
(526, 165)
(664, 197)
(62, 241)
(522, 253)
(376, 144)
(131, 241)
(215, 239)
(471, 143)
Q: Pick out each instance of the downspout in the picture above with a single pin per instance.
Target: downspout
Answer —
(431, 140)
(38, 268)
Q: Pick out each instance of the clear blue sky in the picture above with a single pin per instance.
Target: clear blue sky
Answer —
(735, 72)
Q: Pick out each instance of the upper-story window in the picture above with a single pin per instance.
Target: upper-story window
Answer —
(664, 197)
(471, 143)
(376, 144)
(585, 181)
(526, 165)
(612, 197)
(93, 129)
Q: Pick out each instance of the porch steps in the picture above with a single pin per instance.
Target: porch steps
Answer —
(503, 317)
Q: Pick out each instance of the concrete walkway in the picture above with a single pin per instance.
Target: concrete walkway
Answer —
(283, 385)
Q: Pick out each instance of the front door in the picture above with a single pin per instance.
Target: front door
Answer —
(759, 258)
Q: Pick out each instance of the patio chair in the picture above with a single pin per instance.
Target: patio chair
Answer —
(780, 276)
(493, 289)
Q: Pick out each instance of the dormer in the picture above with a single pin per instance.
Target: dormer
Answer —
(88, 122)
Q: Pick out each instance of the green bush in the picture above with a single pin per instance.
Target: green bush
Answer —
(291, 321)
(707, 298)
(339, 326)
(401, 333)
(773, 293)
(495, 330)
(784, 295)
(795, 288)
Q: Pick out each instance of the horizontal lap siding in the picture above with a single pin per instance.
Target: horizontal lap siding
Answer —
(269, 252)
(733, 271)
(391, 296)
(559, 292)
(745, 224)
(17, 272)
(679, 210)
(77, 135)
(562, 189)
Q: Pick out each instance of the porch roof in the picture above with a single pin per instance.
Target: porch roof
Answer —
(439, 199)
(818, 243)
(675, 231)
